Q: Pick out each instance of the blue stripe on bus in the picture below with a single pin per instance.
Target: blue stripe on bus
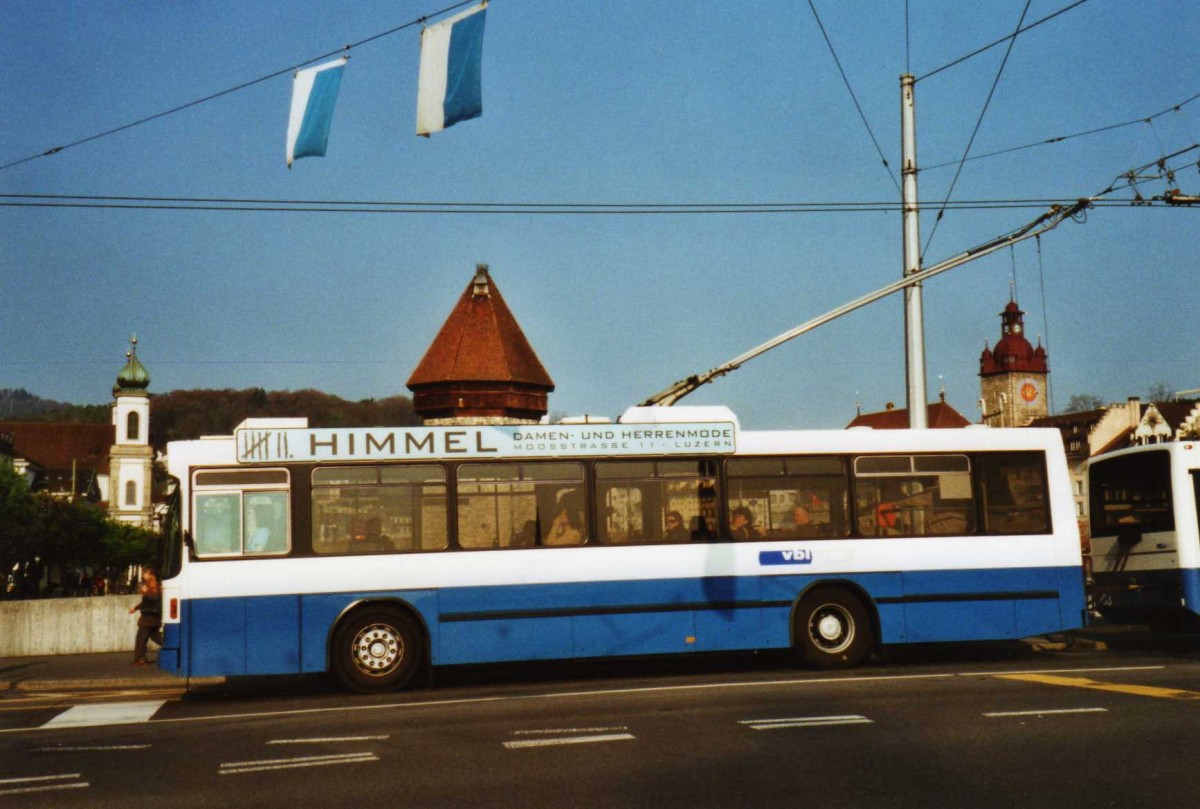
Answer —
(290, 633)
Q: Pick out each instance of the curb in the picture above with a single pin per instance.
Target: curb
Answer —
(1059, 643)
(109, 682)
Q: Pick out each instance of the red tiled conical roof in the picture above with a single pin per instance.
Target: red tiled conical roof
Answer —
(481, 342)
(480, 363)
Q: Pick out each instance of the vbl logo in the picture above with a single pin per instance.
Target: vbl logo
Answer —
(793, 557)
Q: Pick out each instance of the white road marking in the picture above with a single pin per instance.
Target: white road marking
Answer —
(236, 767)
(562, 731)
(805, 722)
(442, 703)
(1046, 713)
(106, 713)
(35, 786)
(330, 739)
(96, 748)
(607, 737)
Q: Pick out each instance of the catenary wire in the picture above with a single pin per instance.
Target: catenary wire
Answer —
(1061, 138)
(853, 97)
(978, 122)
(55, 150)
(497, 210)
(1013, 35)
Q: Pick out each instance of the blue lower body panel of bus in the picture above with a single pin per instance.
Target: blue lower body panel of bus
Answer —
(291, 633)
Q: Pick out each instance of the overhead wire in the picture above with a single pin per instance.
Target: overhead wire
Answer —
(1061, 138)
(124, 127)
(234, 205)
(979, 122)
(1045, 318)
(853, 97)
(1011, 36)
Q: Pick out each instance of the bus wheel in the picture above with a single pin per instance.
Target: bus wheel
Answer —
(377, 649)
(832, 629)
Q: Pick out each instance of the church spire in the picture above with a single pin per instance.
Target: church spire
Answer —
(133, 378)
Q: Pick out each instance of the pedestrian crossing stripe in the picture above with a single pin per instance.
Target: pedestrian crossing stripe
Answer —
(109, 713)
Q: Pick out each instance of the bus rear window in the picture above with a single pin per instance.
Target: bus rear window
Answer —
(1132, 492)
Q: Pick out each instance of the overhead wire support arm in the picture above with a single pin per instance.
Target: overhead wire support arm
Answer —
(1047, 221)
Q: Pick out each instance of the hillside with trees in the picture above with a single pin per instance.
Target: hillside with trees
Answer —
(185, 414)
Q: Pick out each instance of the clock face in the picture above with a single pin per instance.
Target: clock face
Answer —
(1030, 392)
(1016, 328)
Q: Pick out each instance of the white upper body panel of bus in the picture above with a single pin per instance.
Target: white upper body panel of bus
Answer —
(558, 441)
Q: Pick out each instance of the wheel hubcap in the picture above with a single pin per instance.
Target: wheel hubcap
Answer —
(831, 628)
(378, 649)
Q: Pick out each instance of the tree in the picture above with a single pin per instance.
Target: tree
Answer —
(1160, 392)
(40, 534)
(18, 527)
(1082, 402)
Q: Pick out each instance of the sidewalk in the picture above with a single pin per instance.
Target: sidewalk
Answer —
(113, 670)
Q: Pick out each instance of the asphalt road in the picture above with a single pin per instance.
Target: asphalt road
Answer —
(980, 727)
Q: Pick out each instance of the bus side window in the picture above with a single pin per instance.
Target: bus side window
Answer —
(642, 502)
(516, 505)
(914, 495)
(800, 497)
(265, 522)
(217, 524)
(1014, 492)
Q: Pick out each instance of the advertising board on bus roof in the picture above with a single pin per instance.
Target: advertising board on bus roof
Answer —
(299, 445)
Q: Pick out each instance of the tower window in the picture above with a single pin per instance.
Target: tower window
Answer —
(131, 498)
(132, 426)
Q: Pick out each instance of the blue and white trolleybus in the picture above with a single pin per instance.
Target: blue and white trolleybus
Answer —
(374, 553)
(1145, 538)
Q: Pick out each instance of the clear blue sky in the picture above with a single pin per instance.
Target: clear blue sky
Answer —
(594, 102)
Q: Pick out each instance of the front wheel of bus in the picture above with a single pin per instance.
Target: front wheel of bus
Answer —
(376, 650)
(833, 630)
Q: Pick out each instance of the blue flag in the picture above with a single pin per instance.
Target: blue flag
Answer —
(314, 94)
(450, 85)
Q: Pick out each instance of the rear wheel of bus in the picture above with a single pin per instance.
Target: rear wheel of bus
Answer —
(377, 649)
(832, 629)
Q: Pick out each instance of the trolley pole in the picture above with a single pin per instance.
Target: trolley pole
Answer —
(914, 319)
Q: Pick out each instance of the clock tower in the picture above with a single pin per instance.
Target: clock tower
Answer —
(1013, 375)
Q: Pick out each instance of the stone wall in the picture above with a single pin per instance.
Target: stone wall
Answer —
(60, 626)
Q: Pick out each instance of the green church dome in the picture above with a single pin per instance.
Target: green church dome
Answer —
(134, 377)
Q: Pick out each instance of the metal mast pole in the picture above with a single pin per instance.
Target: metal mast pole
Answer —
(914, 318)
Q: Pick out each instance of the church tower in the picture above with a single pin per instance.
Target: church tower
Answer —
(1013, 376)
(131, 456)
(480, 369)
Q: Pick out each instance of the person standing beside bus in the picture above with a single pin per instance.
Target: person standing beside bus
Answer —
(150, 620)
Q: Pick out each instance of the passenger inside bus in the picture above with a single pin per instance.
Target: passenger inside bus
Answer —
(741, 524)
(567, 526)
(366, 536)
(801, 525)
(674, 530)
